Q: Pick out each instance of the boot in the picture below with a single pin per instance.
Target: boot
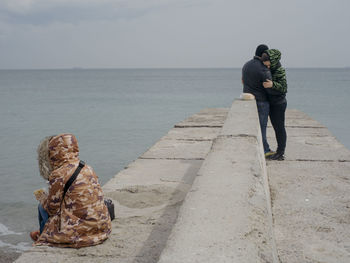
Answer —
(277, 156)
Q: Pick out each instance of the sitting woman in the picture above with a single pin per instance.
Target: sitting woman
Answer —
(79, 218)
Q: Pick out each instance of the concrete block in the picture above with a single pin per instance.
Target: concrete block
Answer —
(147, 196)
(296, 132)
(307, 139)
(311, 208)
(242, 119)
(312, 147)
(224, 217)
(194, 134)
(205, 118)
(176, 149)
(148, 172)
(299, 119)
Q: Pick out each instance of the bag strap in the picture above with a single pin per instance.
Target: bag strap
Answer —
(72, 178)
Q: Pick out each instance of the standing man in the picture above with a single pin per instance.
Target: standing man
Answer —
(254, 73)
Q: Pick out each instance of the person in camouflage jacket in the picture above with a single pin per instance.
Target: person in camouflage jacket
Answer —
(81, 219)
(276, 89)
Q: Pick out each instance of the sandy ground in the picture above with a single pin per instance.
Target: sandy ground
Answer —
(7, 257)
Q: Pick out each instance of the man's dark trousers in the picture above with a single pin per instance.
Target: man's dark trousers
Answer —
(263, 111)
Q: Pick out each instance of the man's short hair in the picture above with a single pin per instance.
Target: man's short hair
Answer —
(261, 49)
(265, 57)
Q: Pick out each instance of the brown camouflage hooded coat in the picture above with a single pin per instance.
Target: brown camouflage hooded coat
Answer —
(81, 219)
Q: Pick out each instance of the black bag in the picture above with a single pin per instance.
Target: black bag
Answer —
(108, 202)
(110, 207)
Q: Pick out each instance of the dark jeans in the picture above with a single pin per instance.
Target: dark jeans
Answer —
(43, 216)
(263, 111)
(277, 117)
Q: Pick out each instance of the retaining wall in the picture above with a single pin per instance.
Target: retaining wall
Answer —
(226, 216)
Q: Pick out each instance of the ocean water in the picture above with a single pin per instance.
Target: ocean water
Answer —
(117, 114)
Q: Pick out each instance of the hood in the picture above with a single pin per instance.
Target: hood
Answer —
(43, 158)
(54, 151)
(275, 57)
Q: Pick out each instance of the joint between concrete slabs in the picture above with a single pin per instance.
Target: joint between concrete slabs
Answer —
(190, 140)
(326, 161)
(197, 126)
(237, 136)
(182, 159)
(304, 127)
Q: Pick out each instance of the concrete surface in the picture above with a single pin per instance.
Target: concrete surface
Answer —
(178, 149)
(296, 118)
(147, 196)
(225, 217)
(193, 134)
(310, 195)
(241, 120)
(237, 207)
(213, 118)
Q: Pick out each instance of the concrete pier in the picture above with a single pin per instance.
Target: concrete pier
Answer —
(204, 193)
(226, 216)
(310, 194)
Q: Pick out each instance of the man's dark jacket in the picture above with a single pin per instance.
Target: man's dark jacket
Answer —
(254, 73)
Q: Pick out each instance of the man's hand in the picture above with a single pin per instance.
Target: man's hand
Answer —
(268, 84)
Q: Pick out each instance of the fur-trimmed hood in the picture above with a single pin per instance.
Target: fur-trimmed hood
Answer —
(53, 151)
(80, 218)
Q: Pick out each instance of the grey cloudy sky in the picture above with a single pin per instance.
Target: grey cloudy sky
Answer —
(171, 33)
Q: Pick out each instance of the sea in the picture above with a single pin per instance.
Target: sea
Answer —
(117, 114)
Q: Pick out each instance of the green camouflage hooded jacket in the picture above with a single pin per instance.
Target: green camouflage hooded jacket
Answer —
(277, 71)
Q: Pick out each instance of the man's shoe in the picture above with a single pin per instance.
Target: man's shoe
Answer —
(35, 235)
(277, 157)
(269, 154)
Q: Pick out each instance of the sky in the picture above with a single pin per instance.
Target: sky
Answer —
(45, 34)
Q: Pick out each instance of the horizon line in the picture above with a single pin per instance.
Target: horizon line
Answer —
(156, 68)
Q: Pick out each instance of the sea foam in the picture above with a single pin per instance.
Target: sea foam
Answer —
(4, 231)
(21, 246)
